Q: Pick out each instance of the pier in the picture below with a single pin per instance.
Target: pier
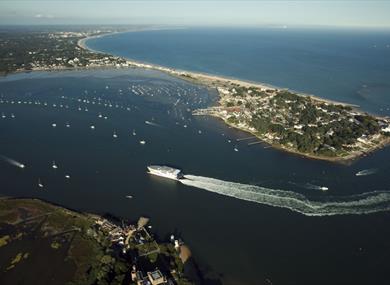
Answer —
(246, 138)
(253, 143)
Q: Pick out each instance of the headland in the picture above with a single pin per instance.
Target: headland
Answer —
(298, 123)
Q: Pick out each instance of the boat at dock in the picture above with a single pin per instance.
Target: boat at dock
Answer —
(165, 171)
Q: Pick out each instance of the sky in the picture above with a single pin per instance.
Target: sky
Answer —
(338, 13)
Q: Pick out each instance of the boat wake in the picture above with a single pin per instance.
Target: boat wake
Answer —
(153, 124)
(366, 203)
(12, 161)
(366, 172)
(310, 186)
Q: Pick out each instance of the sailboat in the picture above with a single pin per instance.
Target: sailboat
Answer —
(54, 165)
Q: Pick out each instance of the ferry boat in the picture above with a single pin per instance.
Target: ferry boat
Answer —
(165, 171)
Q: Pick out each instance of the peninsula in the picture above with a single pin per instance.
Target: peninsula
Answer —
(297, 123)
(300, 124)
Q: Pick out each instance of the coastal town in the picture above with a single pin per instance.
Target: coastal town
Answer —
(300, 124)
(136, 137)
(297, 123)
(137, 243)
(22, 50)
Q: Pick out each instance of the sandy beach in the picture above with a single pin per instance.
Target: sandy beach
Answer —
(214, 81)
(202, 78)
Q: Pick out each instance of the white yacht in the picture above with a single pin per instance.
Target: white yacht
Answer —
(165, 171)
(54, 165)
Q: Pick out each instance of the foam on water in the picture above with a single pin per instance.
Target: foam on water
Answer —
(153, 124)
(366, 203)
(366, 172)
(12, 161)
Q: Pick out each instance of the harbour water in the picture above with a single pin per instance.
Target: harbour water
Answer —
(345, 65)
(269, 238)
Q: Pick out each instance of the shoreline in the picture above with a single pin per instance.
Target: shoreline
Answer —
(344, 160)
(199, 77)
(215, 82)
(82, 42)
(118, 234)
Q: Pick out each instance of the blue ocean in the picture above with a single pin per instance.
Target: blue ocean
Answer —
(345, 65)
(253, 216)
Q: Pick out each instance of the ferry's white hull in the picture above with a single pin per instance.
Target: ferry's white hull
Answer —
(151, 171)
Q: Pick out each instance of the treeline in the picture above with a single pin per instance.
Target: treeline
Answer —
(304, 123)
(328, 137)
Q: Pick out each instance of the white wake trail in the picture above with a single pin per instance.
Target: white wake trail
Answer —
(12, 161)
(153, 124)
(366, 203)
(366, 172)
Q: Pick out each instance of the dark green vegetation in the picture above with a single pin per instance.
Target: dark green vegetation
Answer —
(22, 50)
(312, 127)
(301, 124)
(165, 257)
(62, 246)
(53, 245)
